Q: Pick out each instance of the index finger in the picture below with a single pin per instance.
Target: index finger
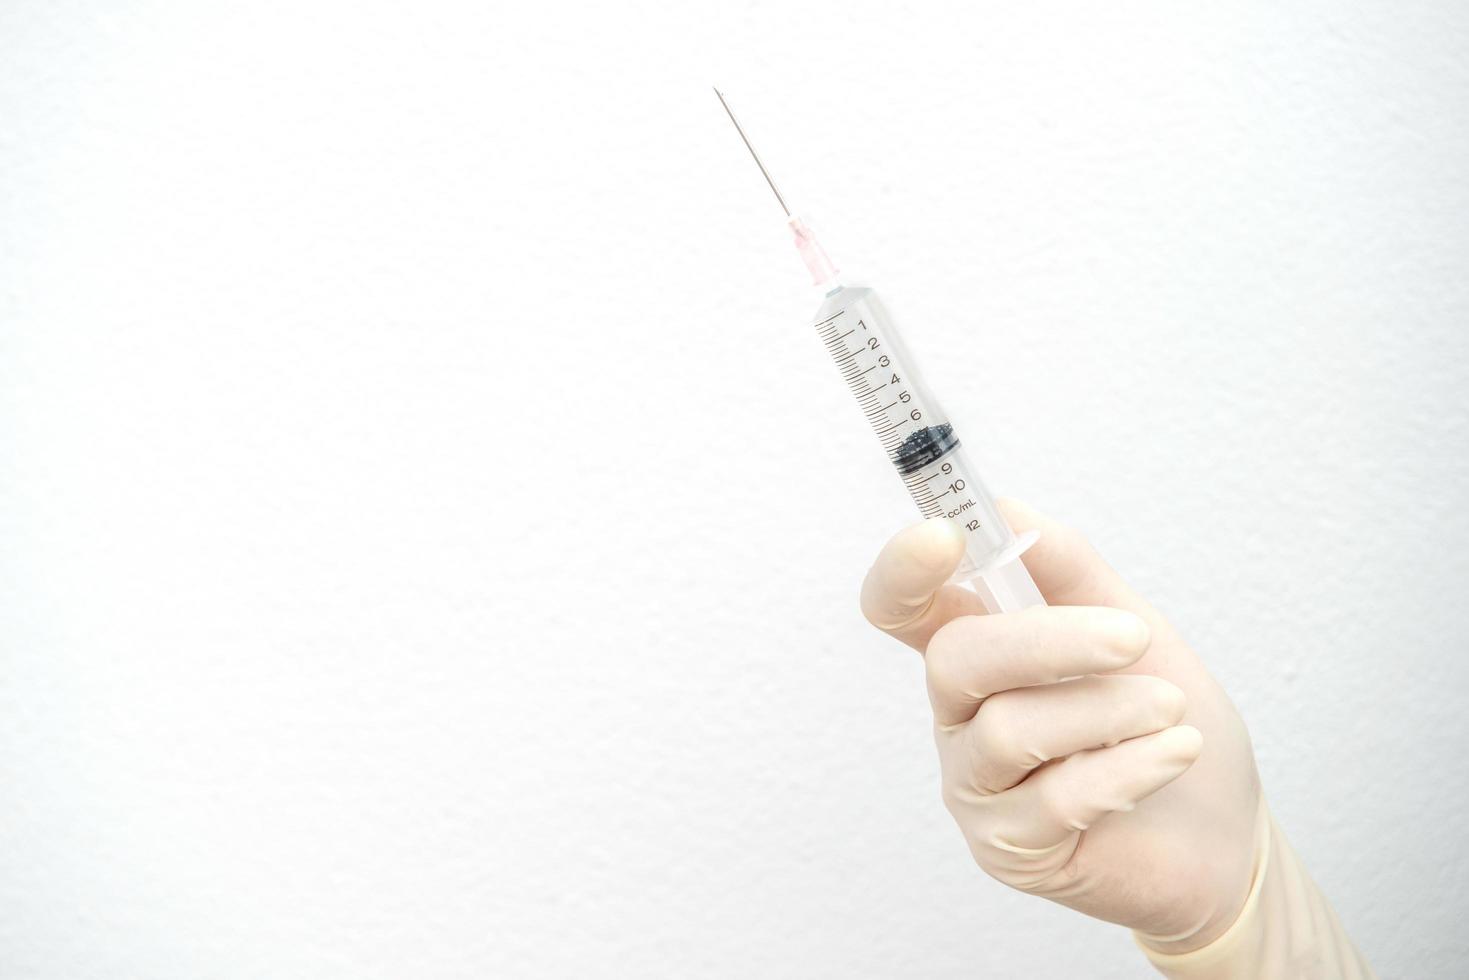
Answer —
(904, 593)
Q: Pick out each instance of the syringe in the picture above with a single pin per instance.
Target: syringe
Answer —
(919, 438)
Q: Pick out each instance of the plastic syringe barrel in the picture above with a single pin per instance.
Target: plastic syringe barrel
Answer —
(922, 445)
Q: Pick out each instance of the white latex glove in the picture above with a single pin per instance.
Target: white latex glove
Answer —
(1088, 757)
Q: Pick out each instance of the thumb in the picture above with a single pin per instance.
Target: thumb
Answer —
(904, 593)
(1066, 568)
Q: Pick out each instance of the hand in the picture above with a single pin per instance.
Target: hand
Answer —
(1087, 755)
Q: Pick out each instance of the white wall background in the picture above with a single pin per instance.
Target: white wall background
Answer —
(430, 532)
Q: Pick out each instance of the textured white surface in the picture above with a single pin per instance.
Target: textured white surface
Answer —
(431, 535)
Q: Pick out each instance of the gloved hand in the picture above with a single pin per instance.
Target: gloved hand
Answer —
(1089, 757)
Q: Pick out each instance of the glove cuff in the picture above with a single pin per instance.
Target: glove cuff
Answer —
(1286, 929)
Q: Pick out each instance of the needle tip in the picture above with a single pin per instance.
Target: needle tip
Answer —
(740, 129)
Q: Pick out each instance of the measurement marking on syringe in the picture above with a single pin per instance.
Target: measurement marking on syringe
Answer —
(930, 436)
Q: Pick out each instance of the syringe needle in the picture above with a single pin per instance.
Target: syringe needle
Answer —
(823, 271)
(763, 171)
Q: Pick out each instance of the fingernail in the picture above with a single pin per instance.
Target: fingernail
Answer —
(1183, 742)
(1171, 700)
(1123, 632)
(944, 528)
(944, 540)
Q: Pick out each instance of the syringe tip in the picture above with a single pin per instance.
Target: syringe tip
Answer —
(823, 270)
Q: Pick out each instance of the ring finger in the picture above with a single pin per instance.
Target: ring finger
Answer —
(1017, 731)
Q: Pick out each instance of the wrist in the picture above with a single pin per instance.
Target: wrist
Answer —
(1201, 956)
(1286, 928)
